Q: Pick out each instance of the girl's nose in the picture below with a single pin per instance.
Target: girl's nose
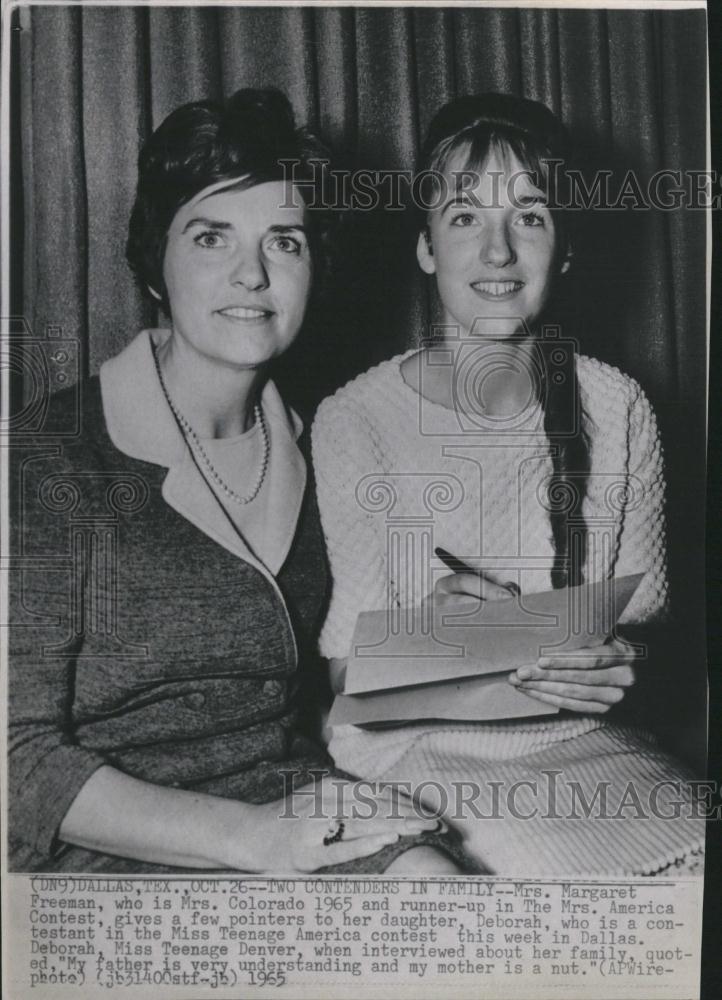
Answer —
(497, 249)
(249, 270)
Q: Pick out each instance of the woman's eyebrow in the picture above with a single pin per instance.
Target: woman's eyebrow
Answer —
(209, 223)
(293, 227)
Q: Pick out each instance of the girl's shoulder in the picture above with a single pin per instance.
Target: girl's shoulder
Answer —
(606, 392)
(370, 396)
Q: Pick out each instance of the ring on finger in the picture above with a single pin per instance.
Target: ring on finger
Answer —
(335, 833)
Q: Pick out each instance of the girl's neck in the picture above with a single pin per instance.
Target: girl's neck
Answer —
(217, 400)
(492, 379)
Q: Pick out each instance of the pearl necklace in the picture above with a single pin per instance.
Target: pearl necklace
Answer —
(191, 437)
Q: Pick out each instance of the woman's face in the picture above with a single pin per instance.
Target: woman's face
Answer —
(491, 246)
(237, 269)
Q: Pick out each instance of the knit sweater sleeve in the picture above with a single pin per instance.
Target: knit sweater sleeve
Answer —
(343, 456)
(642, 545)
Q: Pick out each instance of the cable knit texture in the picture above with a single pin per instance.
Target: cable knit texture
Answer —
(398, 475)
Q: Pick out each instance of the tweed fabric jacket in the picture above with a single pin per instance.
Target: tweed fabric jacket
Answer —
(139, 642)
(144, 633)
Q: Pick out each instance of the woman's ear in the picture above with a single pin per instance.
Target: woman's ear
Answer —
(425, 252)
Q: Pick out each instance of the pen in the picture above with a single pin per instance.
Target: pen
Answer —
(457, 565)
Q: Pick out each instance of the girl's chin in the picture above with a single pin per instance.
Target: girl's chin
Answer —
(497, 329)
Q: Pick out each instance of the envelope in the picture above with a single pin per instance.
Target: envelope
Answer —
(403, 648)
(478, 699)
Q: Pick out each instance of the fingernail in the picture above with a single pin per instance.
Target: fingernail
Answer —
(420, 825)
(512, 587)
(389, 838)
(524, 673)
(513, 679)
(544, 661)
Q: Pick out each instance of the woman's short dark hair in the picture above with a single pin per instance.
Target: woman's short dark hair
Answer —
(253, 137)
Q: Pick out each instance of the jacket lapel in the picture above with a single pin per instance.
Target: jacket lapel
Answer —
(133, 403)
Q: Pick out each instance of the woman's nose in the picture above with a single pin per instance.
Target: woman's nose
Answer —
(249, 270)
(497, 248)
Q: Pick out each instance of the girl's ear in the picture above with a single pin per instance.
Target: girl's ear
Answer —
(425, 252)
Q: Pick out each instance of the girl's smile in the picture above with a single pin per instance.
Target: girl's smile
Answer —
(495, 290)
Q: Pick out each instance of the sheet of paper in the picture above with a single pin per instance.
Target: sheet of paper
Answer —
(401, 648)
(478, 699)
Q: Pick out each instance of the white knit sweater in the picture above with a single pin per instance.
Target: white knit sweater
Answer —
(398, 475)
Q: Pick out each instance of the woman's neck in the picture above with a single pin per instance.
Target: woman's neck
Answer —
(216, 399)
(493, 379)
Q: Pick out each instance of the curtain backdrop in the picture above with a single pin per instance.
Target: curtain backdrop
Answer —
(94, 81)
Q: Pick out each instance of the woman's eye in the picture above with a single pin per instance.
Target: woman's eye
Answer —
(209, 240)
(286, 244)
(463, 219)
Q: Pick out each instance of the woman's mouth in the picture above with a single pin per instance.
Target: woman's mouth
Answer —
(245, 314)
(497, 290)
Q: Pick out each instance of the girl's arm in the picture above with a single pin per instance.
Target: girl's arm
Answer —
(597, 678)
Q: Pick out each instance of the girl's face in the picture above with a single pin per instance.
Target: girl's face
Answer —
(491, 245)
(237, 269)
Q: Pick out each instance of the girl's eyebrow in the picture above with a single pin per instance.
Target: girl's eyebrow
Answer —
(462, 198)
(208, 223)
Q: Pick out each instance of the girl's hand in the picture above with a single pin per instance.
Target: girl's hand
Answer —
(287, 835)
(590, 680)
(465, 588)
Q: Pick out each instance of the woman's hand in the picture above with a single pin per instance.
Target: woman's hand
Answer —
(287, 835)
(590, 680)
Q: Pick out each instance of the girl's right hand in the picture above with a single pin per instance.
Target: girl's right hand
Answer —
(453, 589)
(287, 835)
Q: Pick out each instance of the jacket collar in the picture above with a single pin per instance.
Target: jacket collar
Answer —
(133, 402)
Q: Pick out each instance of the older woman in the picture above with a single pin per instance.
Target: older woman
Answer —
(173, 565)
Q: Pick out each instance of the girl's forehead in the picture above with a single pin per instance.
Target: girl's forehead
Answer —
(500, 169)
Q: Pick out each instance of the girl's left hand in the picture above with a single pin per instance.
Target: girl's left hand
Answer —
(590, 680)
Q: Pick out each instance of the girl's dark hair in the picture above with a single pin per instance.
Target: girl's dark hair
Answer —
(251, 137)
(467, 130)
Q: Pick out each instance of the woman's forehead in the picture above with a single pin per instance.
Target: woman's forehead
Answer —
(276, 197)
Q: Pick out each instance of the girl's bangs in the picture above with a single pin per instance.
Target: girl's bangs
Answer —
(470, 153)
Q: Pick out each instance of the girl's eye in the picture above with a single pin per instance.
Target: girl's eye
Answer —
(286, 244)
(463, 219)
(209, 240)
(532, 219)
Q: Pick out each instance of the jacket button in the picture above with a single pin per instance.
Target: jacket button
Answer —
(195, 700)
(272, 688)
